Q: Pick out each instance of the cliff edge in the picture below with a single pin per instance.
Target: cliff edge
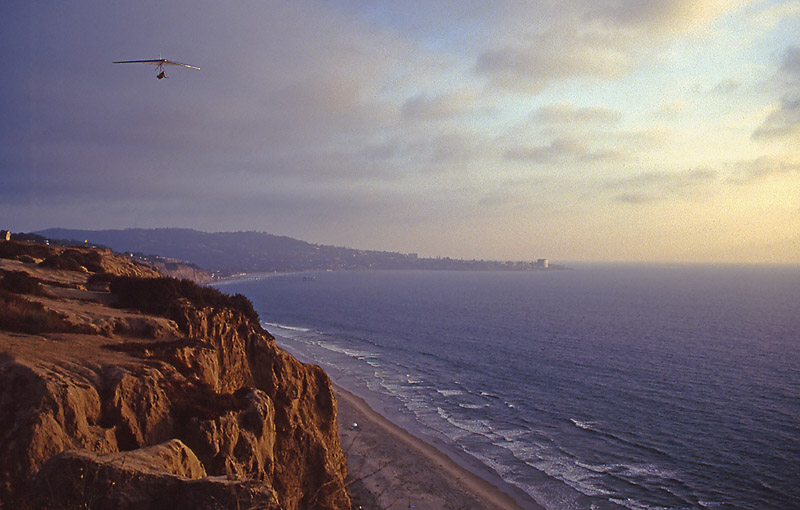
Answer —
(121, 388)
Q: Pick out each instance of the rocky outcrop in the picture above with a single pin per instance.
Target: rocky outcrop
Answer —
(167, 475)
(189, 404)
(180, 270)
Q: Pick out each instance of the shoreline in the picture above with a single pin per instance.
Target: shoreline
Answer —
(388, 467)
(419, 465)
(239, 277)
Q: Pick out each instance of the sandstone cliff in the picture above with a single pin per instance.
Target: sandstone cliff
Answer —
(120, 388)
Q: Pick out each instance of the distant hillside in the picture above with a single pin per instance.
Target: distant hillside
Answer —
(227, 253)
(167, 266)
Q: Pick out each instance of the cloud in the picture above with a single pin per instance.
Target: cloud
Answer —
(664, 15)
(791, 62)
(424, 107)
(636, 198)
(561, 149)
(548, 42)
(423, 151)
(651, 186)
(664, 179)
(777, 13)
(672, 108)
(567, 113)
(727, 86)
(540, 59)
(746, 172)
(452, 147)
(327, 119)
(647, 139)
(274, 102)
(783, 123)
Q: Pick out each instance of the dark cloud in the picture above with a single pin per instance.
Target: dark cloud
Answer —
(791, 61)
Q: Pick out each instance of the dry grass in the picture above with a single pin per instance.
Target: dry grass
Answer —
(17, 250)
(23, 316)
(20, 282)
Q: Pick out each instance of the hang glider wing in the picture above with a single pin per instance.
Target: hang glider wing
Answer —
(157, 62)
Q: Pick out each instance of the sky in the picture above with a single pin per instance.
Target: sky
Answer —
(583, 130)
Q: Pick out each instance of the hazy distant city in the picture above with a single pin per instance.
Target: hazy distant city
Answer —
(230, 253)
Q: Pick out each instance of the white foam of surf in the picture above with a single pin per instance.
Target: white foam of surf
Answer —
(473, 406)
(585, 425)
(632, 504)
(284, 327)
(551, 460)
(349, 352)
(449, 393)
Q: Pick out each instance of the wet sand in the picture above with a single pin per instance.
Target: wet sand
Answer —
(391, 469)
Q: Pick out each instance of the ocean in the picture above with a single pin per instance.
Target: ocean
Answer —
(603, 387)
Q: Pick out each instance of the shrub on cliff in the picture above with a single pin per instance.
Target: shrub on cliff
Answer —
(196, 400)
(16, 250)
(20, 282)
(99, 281)
(74, 260)
(157, 295)
(23, 316)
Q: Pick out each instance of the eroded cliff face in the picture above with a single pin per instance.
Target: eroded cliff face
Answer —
(189, 405)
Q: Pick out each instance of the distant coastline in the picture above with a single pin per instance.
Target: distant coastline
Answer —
(224, 254)
(307, 274)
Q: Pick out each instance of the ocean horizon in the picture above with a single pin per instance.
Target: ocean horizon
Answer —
(606, 387)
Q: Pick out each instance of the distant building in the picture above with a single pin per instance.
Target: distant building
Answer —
(543, 263)
(5, 235)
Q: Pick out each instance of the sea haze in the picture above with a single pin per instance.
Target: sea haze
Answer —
(640, 387)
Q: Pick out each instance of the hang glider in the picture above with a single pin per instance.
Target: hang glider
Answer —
(159, 63)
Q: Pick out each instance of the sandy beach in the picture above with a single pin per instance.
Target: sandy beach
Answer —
(391, 469)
